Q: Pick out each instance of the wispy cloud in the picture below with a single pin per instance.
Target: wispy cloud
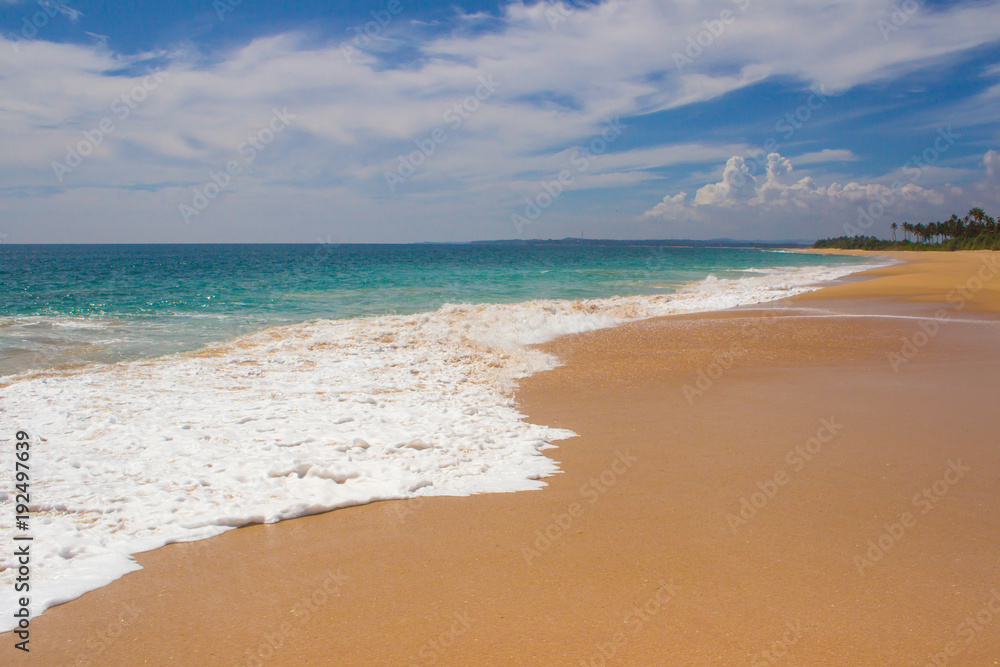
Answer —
(560, 82)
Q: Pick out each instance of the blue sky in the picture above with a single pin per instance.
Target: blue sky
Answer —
(398, 121)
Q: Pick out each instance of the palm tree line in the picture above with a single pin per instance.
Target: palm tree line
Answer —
(975, 224)
(976, 230)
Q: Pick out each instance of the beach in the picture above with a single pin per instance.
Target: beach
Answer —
(809, 481)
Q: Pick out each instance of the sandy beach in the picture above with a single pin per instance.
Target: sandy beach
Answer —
(814, 481)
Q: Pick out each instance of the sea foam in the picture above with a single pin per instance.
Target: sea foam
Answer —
(297, 420)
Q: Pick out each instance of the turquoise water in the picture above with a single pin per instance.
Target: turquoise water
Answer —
(68, 304)
(343, 411)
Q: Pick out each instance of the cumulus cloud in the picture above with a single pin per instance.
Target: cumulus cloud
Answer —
(560, 80)
(754, 192)
(743, 187)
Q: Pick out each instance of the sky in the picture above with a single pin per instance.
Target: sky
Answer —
(406, 121)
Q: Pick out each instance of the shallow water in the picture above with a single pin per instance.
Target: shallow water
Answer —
(174, 414)
(76, 304)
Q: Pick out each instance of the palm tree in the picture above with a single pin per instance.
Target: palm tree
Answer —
(920, 229)
(970, 226)
(959, 224)
(953, 227)
(894, 227)
(907, 228)
(939, 231)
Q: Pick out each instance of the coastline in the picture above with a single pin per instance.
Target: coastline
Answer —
(307, 418)
(642, 562)
(949, 278)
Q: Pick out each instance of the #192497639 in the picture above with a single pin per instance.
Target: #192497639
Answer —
(22, 539)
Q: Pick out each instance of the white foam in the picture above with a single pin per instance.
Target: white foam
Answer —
(297, 420)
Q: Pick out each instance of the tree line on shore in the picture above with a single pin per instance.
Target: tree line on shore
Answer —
(976, 231)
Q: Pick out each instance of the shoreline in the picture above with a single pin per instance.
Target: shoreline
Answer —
(73, 365)
(219, 453)
(489, 574)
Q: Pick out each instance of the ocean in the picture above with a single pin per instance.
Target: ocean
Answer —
(77, 304)
(173, 392)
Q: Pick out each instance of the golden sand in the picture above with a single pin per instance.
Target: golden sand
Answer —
(782, 485)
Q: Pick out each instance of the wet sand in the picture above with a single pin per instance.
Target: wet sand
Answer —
(815, 481)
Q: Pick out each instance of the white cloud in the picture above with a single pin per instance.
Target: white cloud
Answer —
(48, 8)
(991, 161)
(559, 82)
(777, 200)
